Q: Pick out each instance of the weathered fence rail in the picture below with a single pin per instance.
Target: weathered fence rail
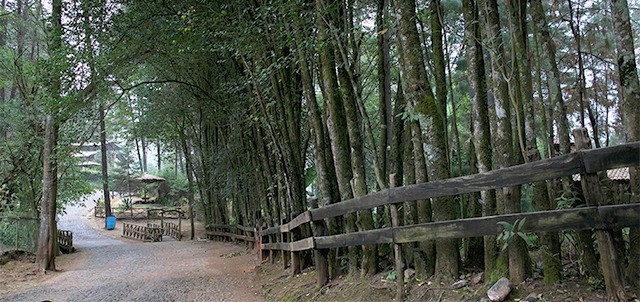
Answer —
(145, 233)
(232, 231)
(598, 215)
(65, 241)
(583, 162)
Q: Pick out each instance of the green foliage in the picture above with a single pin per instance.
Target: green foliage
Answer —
(510, 231)
(127, 204)
(172, 191)
(18, 234)
(567, 200)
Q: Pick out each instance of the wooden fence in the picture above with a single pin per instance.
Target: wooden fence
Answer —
(144, 233)
(233, 231)
(598, 214)
(173, 230)
(65, 241)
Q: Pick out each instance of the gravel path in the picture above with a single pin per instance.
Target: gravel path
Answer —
(108, 269)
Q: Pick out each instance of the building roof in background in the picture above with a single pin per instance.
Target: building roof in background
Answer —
(88, 163)
(86, 154)
(620, 174)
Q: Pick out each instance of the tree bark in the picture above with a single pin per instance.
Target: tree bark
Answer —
(190, 189)
(336, 120)
(105, 166)
(323, 157)
(424, 107)
(540, 195)
(447, 250)
(630, 90)
(504, 153)
(480, 117)
(47, 243)
(550, 66)
(385, 108)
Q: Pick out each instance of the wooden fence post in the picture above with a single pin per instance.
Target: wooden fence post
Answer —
(611, 271)
(397, 248)
(320, 255)
(285, 254)
(295, 256)
(262, 254)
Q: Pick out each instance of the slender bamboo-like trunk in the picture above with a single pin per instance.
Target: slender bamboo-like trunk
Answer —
(336, 120)
(628, 74)
(143, 151)
(424, 258)
(158, 154)
(504, 153)
(190, 189)
(322, 152)
(428, 110)
(480, 114)
(550, 66)
(540, 195)
(105, 166)
(385, 107)
(447, 251)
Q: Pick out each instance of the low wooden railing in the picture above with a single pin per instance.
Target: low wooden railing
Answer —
(598, 214)
(144, 233)
(65, 241)
(173, 230)
(232, 231)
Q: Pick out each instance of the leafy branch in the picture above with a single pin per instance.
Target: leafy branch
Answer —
(509, 231)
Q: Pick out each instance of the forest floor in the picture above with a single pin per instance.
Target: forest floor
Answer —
(109, 267)
(280, 285)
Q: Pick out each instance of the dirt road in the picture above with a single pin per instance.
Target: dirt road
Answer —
(105, 268)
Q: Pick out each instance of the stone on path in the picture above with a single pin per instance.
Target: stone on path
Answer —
(477, 278)
(500, 290)
(459, 284)
(408, 273)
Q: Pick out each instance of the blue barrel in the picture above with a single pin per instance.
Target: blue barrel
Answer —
(111, 222)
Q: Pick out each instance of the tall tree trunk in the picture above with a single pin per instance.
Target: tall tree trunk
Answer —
(628, 73)
(577, 37)
(385, 107)
(425, 106)
(423, 258)
(447, 252)
(480, 114)
(336, 120)
(325, 169)
(143, 145)
(550, 66)
(190, 189)
(47, 243)
(504, 153)
(540, 195)
(105, 165)
(3, 43)
(159, 155)
(364, 220)
(88, 44)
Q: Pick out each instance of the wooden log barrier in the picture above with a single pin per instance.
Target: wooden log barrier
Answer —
(611, 270)
(320, 255)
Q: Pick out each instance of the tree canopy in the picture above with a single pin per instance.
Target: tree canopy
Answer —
(261, 105)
